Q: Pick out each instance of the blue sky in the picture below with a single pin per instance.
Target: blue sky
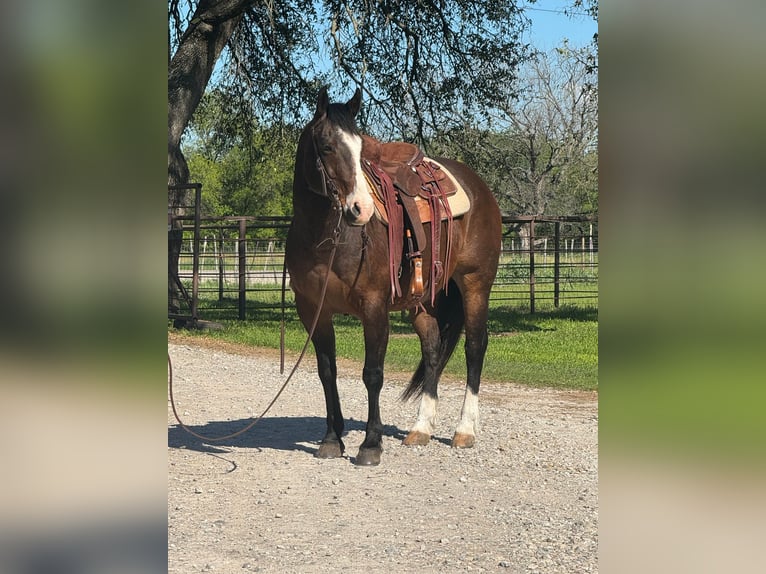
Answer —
(549, 28)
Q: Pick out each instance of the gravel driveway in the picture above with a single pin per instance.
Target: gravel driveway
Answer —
(525, 499)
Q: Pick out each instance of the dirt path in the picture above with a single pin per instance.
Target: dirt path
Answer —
(523, 500)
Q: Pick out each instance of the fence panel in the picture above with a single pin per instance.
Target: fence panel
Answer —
(544, 262)
(549, 260)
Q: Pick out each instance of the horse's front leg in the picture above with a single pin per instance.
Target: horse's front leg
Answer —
(323, 339)
(375, 342)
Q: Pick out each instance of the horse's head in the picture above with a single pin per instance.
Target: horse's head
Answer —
(337, 149)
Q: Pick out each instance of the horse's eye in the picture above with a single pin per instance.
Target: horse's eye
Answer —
(327, 149)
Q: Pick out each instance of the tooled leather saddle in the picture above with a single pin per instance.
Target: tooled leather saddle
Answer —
(411, 190)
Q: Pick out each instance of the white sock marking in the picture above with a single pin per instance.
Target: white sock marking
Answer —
(469, 416)
(426, 422)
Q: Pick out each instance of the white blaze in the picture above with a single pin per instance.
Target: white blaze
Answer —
(360, 195)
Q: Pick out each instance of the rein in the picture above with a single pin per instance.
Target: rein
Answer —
(326, 182)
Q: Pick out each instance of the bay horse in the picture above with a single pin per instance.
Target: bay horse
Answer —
(334, 214)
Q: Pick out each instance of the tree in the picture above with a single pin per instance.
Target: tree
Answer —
(558, 125)
(208, 31)
(189, 70)
(244, 168)
(416, 62)
(539, 154)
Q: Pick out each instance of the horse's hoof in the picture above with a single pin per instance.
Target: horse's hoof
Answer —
(329, 450)
(368, 457)
(461, 440)
(416, 438)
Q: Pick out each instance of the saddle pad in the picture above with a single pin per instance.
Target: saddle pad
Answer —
(459, 202)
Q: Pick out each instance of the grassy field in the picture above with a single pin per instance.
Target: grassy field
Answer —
(554, 347)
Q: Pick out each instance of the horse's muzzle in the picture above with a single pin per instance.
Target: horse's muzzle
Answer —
(357, 213)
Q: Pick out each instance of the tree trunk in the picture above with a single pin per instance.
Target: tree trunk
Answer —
(189, 72)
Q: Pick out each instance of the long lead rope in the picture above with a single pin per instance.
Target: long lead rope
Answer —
(315, 321)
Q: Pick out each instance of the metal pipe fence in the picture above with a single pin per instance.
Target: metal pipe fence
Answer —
(546, 261)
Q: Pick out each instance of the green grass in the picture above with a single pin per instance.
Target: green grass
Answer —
(553, 348)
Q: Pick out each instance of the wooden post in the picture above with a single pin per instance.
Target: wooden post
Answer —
(532, 266)
(242, 252)
(556, 263)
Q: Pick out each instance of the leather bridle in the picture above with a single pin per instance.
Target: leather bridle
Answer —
(329, 187)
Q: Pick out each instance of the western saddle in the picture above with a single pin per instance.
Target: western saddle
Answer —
(411, 190)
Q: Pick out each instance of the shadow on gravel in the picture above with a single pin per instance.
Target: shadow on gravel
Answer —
(278, 433)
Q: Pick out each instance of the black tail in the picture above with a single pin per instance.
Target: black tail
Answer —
(450, 317)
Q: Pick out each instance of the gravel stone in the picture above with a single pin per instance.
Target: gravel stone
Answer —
(524, 499)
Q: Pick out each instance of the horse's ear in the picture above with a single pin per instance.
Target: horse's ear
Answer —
(355, 102)
(323, 102)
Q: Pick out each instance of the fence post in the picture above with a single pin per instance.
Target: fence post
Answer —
(556, 263)
(220, 264)
(242, 266)
(532, 266)
(195, 253)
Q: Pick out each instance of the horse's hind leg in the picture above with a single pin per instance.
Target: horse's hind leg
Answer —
(476, 305)
(427, 328)
(324, 344)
